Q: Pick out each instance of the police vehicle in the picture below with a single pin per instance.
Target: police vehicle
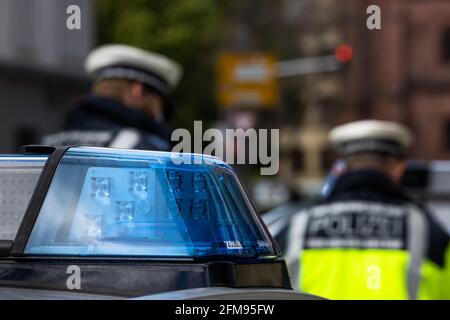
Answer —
(99, 223)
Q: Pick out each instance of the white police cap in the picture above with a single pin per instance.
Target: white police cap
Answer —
(126, 62)
(371, 136)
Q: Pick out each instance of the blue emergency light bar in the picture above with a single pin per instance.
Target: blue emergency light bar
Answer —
(111, 202)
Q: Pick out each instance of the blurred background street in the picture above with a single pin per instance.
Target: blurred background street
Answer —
(326, 68)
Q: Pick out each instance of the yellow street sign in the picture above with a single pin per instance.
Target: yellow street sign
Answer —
(247, 80)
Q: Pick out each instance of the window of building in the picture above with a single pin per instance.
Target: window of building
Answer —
(446, 46)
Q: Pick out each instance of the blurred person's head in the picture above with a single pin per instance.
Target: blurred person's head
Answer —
(139, 79)
(373, 145)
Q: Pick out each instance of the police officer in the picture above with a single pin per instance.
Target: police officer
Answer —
(367, 239)
(128, 103)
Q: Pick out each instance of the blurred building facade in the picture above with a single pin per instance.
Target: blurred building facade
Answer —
(402, 72)
(41, 66)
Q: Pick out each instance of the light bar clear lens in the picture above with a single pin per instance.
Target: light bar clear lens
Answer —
(129, 203)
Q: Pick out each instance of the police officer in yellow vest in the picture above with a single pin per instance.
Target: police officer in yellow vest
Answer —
(366, 239)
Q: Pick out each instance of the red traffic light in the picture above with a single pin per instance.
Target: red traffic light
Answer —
(343, 53)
